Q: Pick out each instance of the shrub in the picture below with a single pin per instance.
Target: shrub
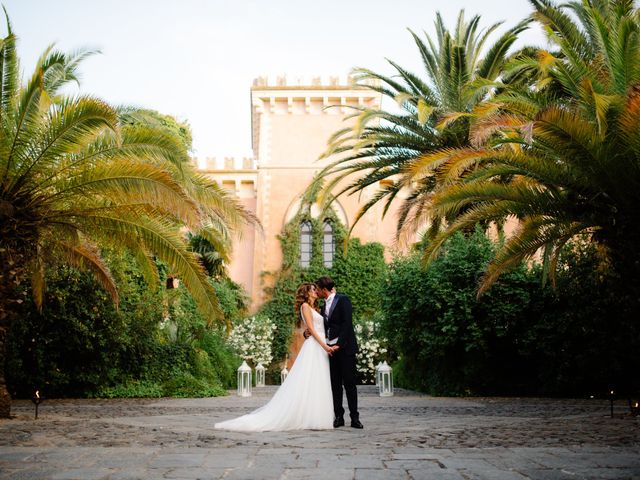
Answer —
(372, 348)
(252, 339)
(82, 346)
(519, 337)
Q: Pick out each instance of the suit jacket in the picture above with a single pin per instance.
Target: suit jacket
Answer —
(338, 323)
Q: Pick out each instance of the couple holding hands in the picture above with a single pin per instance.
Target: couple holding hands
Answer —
(311, 395)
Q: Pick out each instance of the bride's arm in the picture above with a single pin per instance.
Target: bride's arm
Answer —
(308, 319)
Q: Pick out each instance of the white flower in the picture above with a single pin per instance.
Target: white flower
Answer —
(252, 339)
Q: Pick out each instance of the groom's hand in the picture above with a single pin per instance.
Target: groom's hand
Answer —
(332, 348)
(306, 334)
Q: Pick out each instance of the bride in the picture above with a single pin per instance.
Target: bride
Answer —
(304, 399)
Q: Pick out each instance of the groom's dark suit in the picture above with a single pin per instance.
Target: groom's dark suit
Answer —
(338, 324)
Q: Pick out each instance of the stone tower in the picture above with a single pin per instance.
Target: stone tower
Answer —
(291, 124)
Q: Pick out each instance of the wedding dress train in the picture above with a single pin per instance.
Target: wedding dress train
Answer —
(304, 399)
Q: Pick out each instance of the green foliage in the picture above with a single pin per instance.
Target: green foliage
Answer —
(221, 357)
(234, 301)
(384, 148)
(446, 337)
(82, 346)
(582, 338)
(359, 274)
(168, 123)
(519, 337)
(357, 270)
(80, 341)
(132, 389)
(185, 384)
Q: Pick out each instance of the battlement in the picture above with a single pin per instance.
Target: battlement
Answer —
(225, 163)
(300, 81)
(313, 82)
(315, 95)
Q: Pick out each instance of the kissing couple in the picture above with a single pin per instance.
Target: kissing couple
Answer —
(311, 395)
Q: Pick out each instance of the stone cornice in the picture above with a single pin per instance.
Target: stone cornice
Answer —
(228, 170)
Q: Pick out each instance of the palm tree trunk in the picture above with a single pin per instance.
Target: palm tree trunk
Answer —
(5, 398)
(11, 276)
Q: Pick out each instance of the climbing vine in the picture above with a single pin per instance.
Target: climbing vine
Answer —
(358, 271)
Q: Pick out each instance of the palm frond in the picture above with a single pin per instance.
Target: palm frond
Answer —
(86, 256)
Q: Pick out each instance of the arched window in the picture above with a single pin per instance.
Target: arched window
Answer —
(328, 244)
(305, 243)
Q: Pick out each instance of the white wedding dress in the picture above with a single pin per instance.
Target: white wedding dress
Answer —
(303, 401)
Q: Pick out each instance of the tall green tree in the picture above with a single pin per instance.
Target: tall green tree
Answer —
(460, 67)
(562, 155)
(74, 177)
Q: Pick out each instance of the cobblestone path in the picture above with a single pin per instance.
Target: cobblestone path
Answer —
(407, 436)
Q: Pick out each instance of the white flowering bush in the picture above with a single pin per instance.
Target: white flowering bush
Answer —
(252, 338)
(372, 349)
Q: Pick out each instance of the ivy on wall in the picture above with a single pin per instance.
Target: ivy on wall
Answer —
(358, 272)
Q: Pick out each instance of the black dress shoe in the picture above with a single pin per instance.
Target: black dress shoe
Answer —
(356, 424)
(338, 422)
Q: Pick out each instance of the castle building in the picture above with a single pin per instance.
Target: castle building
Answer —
(291, 125)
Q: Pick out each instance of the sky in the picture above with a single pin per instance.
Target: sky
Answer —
(196, 59)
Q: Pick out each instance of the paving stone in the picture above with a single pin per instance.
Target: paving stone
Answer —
(177, 460)
(316, 474)
(255, 472)
(467, 463)
(13, 457)
(28, 474)
(434, 475)
(136, 474)
(228, 460)
(83, 474)
(491, 474)
(195, 473)
(290, 461)
(608, 473)
(351, 461)
(408, 436)
(547, 474)
(380, 474)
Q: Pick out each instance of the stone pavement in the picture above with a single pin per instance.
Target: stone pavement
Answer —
(407, 436)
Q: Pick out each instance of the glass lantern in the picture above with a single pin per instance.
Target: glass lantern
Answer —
(283, 374)
(385, 381)
(244, 380)
(378, 373)
(260, 375)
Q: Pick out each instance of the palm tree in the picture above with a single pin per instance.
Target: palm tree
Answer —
(74, 177)
(562, 156)
(211, 259)
(434, 109)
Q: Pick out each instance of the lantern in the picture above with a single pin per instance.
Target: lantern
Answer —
(385, 381)
(283, 374)
(244, 380)
(378, 373)
(260, 375)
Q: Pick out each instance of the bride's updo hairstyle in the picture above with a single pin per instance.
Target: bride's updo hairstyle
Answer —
(302, 296)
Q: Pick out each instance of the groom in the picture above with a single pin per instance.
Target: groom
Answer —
(338, 326)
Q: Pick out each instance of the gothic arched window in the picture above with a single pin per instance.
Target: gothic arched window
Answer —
(305, 243)
(328, 244)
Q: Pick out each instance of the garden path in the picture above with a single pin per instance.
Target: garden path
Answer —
(407, 436)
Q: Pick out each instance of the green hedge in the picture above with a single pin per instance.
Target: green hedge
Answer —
(81, 345)
(519, 337)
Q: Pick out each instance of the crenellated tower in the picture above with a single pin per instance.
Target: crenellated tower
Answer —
(291, 124)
